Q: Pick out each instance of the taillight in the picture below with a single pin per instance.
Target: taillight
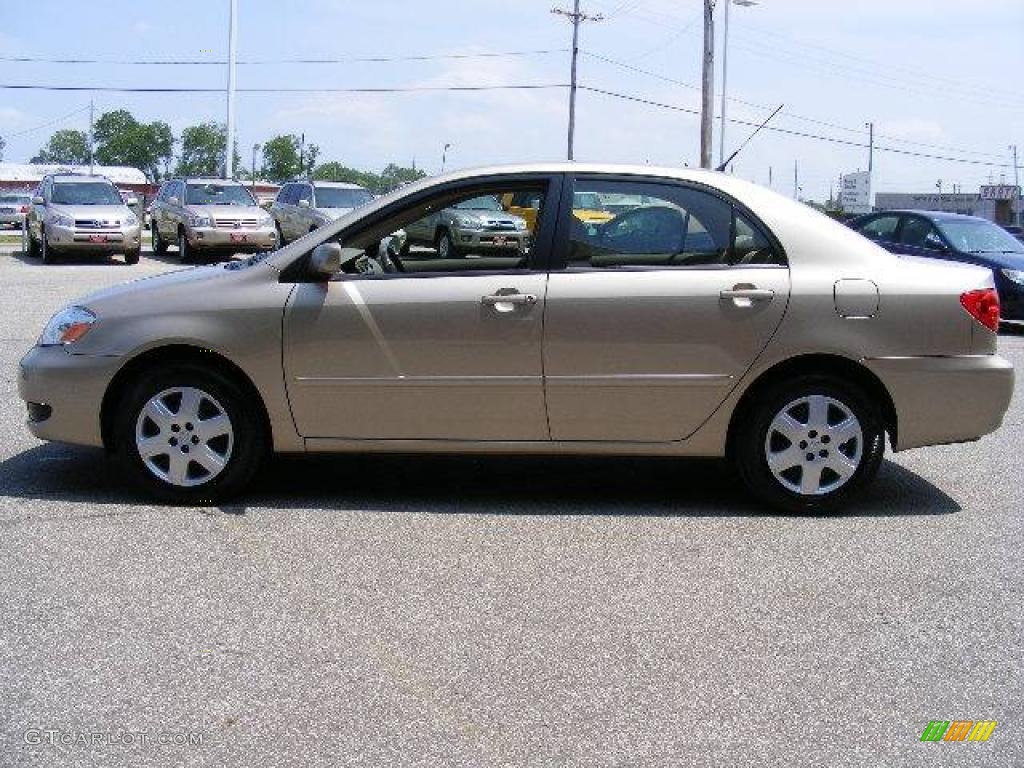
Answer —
(983, 306)
(24, 209)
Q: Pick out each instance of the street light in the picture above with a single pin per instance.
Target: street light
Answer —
(725, 67)
(255, 149)
(444, 156)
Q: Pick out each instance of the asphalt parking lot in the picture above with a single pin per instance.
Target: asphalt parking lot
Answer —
(498, 611)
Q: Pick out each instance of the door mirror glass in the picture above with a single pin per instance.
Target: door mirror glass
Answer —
(172, 200)
(326, 260)
(38, 200)
(303, 203)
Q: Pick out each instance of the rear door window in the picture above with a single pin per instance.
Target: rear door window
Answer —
(882, 229)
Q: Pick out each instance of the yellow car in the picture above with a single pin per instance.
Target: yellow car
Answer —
(586, 206)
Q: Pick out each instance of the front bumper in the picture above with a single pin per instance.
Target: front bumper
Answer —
(242, 240)
(71, 387)
(113, 240)
(945, 399)
(490, 240)
(8, 219)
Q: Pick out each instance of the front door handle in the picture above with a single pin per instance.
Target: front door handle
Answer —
(746, 295)
(507, 299)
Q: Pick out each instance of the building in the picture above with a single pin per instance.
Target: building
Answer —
(1000, 203)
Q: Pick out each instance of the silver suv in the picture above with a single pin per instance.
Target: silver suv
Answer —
(209, 215)
(80, 213)
(479, 225)
(302, 206)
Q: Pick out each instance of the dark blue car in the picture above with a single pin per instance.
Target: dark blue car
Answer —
(953, 237)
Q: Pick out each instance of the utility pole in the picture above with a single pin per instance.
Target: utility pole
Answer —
(725, 71)
(707, 106)
(577, 18)
(229, 138)
(92, 138)
(871, 146)
(1016, 181)
(302, 155)
(770, 184)
(444, 156)
(255, 149)
(796, 179)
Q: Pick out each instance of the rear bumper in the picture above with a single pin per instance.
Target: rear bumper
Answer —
(945, 399)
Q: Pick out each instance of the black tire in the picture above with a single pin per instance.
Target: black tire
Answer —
(132, 257)
(249, 441)
(443, 237)
(33, 246)
(45, 251)
(159, 246)
(750, 447)
(280, 236)
(185, 255)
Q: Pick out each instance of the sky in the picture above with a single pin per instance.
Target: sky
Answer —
(937, 77)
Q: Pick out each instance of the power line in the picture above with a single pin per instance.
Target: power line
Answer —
(256, 62)
(792, 115)
(799, 134)
(47, 124)
(405, 89)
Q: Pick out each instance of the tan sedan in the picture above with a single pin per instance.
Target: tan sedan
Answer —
(709, 317)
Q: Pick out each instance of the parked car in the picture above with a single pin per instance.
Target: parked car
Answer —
(13, 207)
(204, 216)
(302, 206)
(78, 213)
(953, 237)
(793, 347)
(478, 225)
(1017, 232)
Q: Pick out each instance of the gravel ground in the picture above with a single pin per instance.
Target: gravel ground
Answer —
(497, 611)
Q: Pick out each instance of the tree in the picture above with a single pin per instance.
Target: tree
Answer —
(394, 176)
(284, 158)
(3, 144)
(335, 171)
(65, 147)
(123, 140)
(202, 150)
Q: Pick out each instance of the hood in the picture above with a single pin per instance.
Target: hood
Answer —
(105, 213)
(228, 211)
(139, 288)
(997, 260)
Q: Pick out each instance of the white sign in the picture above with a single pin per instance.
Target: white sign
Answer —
(855, 192)
(1000, 192)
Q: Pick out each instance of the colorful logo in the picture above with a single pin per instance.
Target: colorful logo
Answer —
(958, 730)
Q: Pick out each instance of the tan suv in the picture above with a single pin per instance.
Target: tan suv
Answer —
(211, 216)
(82, 214)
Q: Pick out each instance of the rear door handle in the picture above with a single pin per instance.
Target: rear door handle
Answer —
(500, 300)
(744, 296)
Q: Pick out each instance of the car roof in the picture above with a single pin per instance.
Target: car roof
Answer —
(334, 184)
(932, 214)
(66, 177)
(208, 180)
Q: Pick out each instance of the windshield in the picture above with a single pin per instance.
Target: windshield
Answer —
(588, 201)
(485, 203)
(333, 197)
(975, 236)
(217, 194)
(14, 199)
(84, 193)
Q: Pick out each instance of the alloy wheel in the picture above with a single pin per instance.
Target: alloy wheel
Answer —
(814, 445)
(184, 436)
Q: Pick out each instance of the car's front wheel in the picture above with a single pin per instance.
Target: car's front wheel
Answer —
(45, 251)
(810, 444)
(189, 435)
(159, 246)
(184, 249)
(445, 246)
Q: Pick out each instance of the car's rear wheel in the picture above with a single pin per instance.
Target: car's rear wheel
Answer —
(809, 445)
(159, 246)
(189, 435)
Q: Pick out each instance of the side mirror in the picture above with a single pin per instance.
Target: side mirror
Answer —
(173, 201)
(131, 200)
(303, 203)
(325, 260)
(37, 200)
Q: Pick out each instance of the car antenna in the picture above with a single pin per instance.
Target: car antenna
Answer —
(725, 165)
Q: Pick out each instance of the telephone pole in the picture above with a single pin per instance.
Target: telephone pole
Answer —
(707, 106)
(577, 18)
(871, 146)
(1016, 181)
(229, 138)
(796, 179)
(92, 140)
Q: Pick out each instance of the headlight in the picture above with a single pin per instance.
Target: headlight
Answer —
(130, 220)
(520, 225)
(60, 220)
(467, 222)
(67, 327)
(1016, 275)
(200, 221)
